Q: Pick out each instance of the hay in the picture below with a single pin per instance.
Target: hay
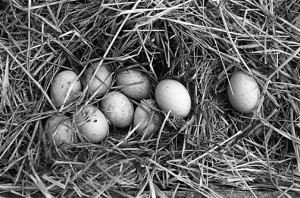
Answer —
(198, 43)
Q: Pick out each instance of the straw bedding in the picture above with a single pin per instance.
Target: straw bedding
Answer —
(200, 44)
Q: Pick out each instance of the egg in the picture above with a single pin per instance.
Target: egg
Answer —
(102, 80)
(118, 109)
(172, 96)
(60, 130)
(146, 118)
(92, 123)
(134, 84)
(244, 92)
(61, 85)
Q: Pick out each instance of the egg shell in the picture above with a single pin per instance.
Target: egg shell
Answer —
(60, 87)
(244, 92)
(134, 83)
(172, 96)
(118, 109)
(147, 118)
(92, 123)
(102, 79)
(60, 130)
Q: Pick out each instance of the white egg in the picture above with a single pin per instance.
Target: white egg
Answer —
(134, 83)
(92, 124)
(146, 118)
(172, 96)
(61, 85)
(244, 92)
(102, 80)
(60, 130)
(118, 109)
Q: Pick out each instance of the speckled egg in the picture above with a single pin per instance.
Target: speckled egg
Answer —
(60, 86)
(59, 129)
(102, 80)
(146, 119)
(134, 84)
(92, 123)
(118, 109)
(244, 92)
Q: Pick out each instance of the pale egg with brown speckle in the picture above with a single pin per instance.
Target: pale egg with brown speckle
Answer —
(60, 130)
(243, 92)
(92, 123)
(102, 80)
(146, 118)
(134, 84)
(65, 88)
(118, 109)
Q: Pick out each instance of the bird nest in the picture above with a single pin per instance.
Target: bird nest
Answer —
(198, 43)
